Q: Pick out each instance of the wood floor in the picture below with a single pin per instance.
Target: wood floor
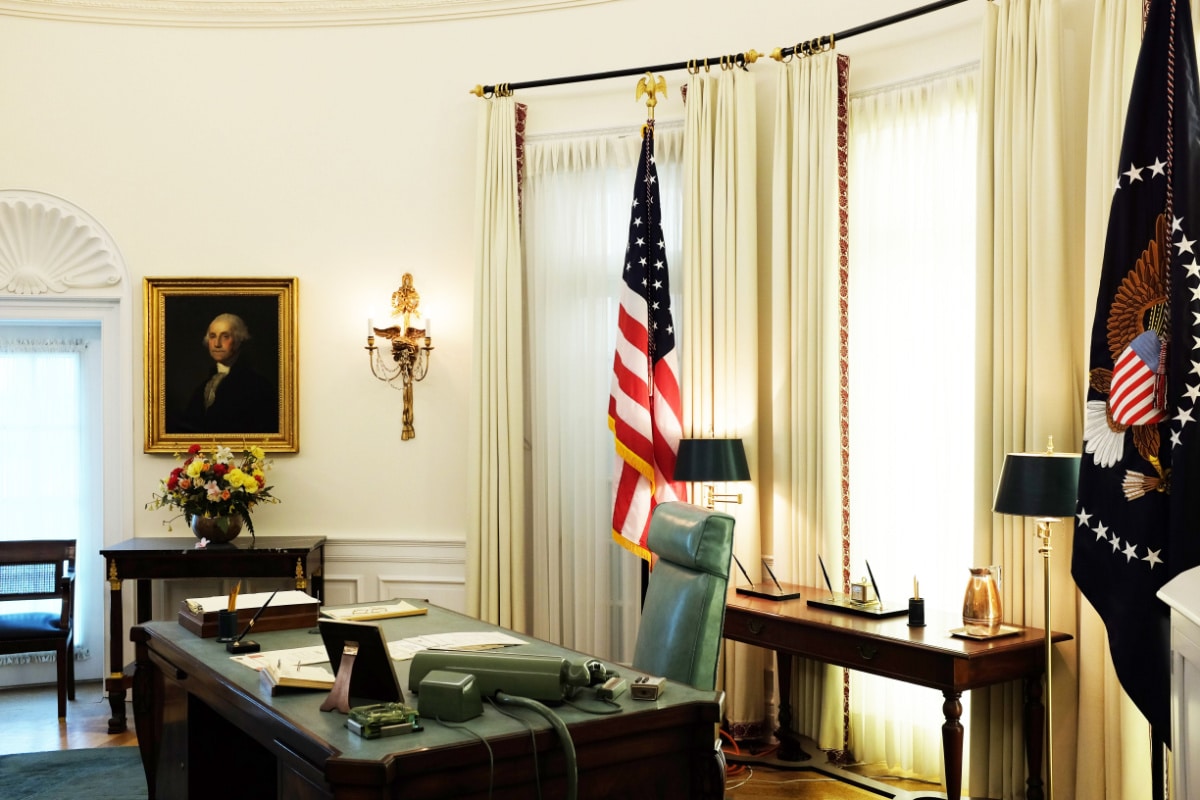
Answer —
(29, 724)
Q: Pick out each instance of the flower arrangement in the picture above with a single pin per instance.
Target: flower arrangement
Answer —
(216, 485)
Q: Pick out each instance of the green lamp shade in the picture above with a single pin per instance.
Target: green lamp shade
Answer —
(1038, 485)
(708, 460)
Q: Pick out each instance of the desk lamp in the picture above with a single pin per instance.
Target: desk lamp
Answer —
(710, 460)
(1043, 486)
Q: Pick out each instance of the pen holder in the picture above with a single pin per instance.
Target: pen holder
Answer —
(226, 625)
(916, 612)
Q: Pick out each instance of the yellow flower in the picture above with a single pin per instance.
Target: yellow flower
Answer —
(195, 468)
(236, 477)
(257, 453)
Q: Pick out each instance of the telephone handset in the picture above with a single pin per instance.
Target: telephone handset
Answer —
(545, 678)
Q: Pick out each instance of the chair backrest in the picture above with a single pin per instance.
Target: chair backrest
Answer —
(34, 570)
(684, 612)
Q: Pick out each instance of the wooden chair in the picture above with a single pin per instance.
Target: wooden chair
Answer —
(40, 570)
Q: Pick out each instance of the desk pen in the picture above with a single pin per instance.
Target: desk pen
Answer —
(743, 569)
(832, 596)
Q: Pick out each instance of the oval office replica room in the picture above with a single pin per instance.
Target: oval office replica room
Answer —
(587, 399)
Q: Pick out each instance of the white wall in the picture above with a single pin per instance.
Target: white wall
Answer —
(345, 156)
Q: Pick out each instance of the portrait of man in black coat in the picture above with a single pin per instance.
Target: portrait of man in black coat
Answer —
(227, 392)
(235, 396)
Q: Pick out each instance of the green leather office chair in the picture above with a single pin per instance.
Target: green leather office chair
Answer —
(684, 612)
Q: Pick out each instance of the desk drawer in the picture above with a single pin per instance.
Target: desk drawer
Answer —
(845, 648)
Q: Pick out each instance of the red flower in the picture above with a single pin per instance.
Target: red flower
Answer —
(173, 482)
(220, 469)
(193, 450)
(261, 480)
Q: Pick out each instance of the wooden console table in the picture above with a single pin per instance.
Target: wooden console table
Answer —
(927, 656)
(144, 559)
(206, 728)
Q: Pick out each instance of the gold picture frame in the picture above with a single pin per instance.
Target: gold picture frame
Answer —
(257, 399)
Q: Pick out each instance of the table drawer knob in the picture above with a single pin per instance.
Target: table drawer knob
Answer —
(867, 652)
(755, 626)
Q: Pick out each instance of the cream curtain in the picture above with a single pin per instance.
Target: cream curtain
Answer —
(803, 421)
(498, 572)
(912, 312)
(719, 361)
(1113, 747)
(586, 588)
(1030, 359)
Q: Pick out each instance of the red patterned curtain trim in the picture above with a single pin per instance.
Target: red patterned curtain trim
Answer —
(843, 134)
(520, 111)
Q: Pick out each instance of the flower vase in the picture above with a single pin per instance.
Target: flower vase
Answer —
(216, 529)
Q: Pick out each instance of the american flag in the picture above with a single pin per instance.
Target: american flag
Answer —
(644, 405)
(1138, 520)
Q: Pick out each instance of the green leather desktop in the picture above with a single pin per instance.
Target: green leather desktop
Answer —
(207, 729)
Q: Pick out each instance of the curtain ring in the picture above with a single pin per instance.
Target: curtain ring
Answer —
(816, 45)
(831, 38)
(706, 65)
(692, 67)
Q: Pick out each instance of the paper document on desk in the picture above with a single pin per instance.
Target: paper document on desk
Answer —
(300, 656)
(404, 649)
(371, 611)
(291, 597)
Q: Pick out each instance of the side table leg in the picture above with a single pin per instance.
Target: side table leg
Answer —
(789, 742)
(1035, 721)
(952, 743)
(115, 683)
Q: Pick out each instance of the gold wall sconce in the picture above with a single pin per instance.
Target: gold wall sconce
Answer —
(411, 346)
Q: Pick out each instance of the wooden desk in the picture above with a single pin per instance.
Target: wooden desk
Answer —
(927, 656)
(206, 729)
(298, 557)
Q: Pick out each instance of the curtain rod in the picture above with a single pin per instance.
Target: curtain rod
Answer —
(739, 60)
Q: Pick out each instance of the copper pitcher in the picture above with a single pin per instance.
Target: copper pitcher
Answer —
(982, 611)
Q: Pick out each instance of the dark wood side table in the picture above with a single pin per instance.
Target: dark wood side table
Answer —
(927, 656)
(143, 559)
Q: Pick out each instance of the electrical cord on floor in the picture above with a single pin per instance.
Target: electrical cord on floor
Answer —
(564, 736)
(491, 758)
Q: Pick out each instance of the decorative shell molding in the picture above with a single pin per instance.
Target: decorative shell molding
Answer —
(49, 245)
(272, 13)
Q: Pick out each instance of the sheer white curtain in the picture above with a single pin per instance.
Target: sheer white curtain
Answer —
(49, 461)
(912, 343)
(576, 216)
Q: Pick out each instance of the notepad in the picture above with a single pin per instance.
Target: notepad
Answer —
(280, 674)
(366, 612)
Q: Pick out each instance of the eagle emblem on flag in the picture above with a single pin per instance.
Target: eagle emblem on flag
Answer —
(1136, 382)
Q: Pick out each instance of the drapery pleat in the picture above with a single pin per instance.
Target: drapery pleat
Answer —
(1030, 359)
(497, 548)
(1113, 747)
(804, 514)
(719, 363)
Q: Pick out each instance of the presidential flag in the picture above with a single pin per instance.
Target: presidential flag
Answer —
(644, 405)
(1138, 517)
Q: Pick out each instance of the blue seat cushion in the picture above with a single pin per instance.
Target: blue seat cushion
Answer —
(30, 625)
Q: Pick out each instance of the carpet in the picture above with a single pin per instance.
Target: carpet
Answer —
(97, 773)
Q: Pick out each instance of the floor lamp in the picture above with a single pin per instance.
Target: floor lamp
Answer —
(1044, 486)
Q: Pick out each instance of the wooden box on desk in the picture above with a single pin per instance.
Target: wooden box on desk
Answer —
(291, 609)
